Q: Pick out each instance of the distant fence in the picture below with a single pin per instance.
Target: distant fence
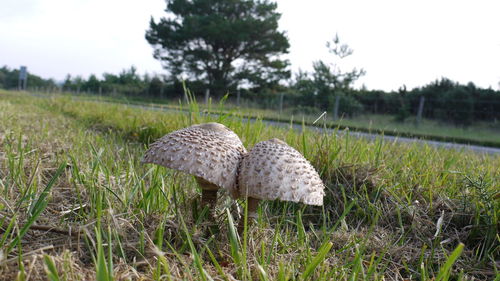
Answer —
(461, 111)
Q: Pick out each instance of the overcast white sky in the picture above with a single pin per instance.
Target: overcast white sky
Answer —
(397, 42)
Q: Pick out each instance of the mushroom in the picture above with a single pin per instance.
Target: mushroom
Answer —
(211, 152)
(274, 170)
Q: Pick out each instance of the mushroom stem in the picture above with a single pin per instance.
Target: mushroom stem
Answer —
(253, 204)
(208, 198)
(208, 195)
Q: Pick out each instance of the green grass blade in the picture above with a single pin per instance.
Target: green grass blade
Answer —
(323, 251)
(41, 198)
(37, 208)
(51, 269)
(102, 273)
(197, 260)
(233, 240)
(262, 273)
(444, 272)
(216, 264)
(110, 254)
(8, 231)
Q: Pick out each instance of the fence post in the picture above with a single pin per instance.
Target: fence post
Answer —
(336, 108)
(420, 110)
(207, 95)
(238, 93)
(281, 102)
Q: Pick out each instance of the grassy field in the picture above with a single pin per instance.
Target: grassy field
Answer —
(479, 133)
(76, 204)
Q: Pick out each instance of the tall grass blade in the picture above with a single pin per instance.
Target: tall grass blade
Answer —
(216, 264)
(445, 271)
(110, 254)
(197, 260)
(102, 272)
(323, 251)
(233, 240)
(37, 208)
(51, 269)
(262, 273)
(8, 231)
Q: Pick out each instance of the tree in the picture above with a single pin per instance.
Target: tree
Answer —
(92, 84)
(329, 80)
(68, 83)
(156, 87)
(221, 42)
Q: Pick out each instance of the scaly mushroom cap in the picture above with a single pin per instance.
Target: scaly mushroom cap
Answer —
(209, 151)
(274, 170)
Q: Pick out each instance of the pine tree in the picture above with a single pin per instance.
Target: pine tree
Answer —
(222, 43)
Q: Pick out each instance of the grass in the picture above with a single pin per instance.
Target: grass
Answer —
(479, 133)
(76, 204)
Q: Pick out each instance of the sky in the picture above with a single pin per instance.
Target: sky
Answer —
(397, 42)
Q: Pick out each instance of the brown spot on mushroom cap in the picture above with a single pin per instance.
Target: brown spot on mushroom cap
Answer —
(283, 173)
(209, 151)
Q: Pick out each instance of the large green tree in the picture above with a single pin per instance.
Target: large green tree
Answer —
(221, 42)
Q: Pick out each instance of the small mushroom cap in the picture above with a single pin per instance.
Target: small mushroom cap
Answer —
(209, 151)
(274, 170)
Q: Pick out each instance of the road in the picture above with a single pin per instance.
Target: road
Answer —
(440, 144)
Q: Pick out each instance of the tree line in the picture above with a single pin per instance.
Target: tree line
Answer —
(128, 82)
(234, 47)
(445, 100)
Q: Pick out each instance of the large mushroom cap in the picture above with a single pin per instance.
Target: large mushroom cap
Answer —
(273, 170)
(209, 151)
